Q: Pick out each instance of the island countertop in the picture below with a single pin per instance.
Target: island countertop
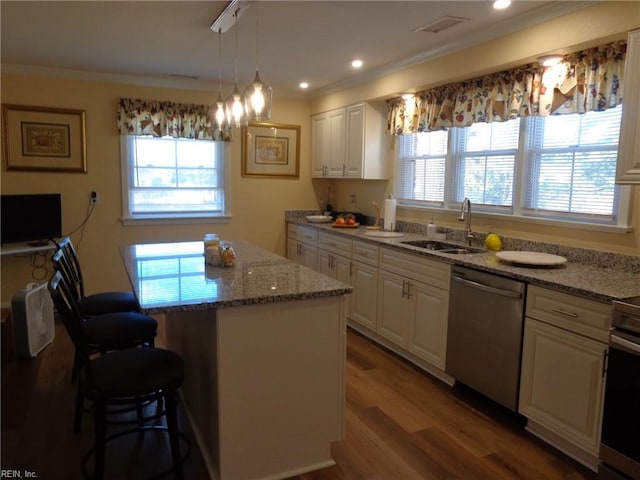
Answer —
(174, 277)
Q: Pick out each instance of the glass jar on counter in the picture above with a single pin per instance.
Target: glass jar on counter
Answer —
(227, 254)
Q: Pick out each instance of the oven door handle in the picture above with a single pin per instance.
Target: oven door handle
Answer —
(624, 344)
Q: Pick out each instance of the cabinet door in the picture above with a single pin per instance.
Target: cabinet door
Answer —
(364, 280)
(354, 141)
(628, 170)
(336, 143)
(561, 385)
(319, 144)
(393, 307)
(334, 266)
(428, 323)
(309, 256)
(302, 254)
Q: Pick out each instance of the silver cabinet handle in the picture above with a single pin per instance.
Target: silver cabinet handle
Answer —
(409, 294)
(564, 312)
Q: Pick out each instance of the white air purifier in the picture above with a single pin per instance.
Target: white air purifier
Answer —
(33, 320)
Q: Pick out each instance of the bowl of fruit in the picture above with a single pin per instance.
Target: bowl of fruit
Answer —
(346, 220)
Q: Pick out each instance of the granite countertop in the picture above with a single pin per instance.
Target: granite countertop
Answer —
(174, 277)
(580, 278)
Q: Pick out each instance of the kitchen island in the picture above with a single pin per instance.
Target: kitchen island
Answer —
(264, 345)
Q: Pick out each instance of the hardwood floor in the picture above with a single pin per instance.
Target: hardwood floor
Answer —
(401, 424)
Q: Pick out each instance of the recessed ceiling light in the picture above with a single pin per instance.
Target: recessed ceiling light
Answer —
(357, 63)
(500, 4)
(303, 85)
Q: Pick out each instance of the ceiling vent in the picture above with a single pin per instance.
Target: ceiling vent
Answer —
(441, 24)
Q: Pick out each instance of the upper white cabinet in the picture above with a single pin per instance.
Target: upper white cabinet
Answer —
(628, 171)
(327, 143)
(349, 143)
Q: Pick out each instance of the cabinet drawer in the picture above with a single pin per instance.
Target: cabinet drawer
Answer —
(416, 267)
(303, 234)
(365, 252)
(334, 244)
(576, 314)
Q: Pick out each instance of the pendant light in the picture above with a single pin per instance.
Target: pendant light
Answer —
(258, 94)
(218, 110)
(235, 104)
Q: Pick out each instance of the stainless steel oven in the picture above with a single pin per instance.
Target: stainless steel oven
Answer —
(620, 445)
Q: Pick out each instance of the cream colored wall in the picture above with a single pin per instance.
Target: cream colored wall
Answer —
(588, 27)
(257, 204)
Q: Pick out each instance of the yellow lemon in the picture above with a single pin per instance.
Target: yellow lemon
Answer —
(493, 242)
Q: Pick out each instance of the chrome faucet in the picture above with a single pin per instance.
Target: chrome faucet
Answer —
(468, 235)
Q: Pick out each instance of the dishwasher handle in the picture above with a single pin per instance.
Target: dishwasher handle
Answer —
(487, 288)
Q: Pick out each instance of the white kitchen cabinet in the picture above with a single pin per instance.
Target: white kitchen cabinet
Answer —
(328, 143)
(334, 256)
(562, 376)
(413, 304)
(628, 171)
(302, 245)
(365, 156)
(349, 143)
(364, 280)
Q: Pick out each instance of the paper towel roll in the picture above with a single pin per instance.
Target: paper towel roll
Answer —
(390, 214)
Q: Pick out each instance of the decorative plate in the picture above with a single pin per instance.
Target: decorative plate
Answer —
(319, 218)
(531, 258)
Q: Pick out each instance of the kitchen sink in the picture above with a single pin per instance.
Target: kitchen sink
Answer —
(443, 247)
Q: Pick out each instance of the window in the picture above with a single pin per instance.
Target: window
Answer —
(421, 167)
(573, 164)
(166, 177)
(567, 164)
(484, 162)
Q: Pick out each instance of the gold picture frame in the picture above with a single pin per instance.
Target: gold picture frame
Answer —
(43, 139)
(271, 150)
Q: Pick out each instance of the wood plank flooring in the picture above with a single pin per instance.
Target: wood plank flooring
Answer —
(401, 424)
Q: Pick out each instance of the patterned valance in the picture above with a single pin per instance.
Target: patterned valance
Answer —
(178, 120)
(584, 81)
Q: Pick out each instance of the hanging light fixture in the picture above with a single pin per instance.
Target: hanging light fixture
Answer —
(218, 110)
(235, 104)
(258, 94)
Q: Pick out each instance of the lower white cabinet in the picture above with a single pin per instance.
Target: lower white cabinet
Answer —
(302, 245)
(393, 307)
(364, 280)
(563, 372)
(334, 266)
(413, 304)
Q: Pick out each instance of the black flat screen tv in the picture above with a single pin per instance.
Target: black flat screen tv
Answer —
(33, 218)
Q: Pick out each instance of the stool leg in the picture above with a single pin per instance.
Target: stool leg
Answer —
(100, 419)
(174, 438)
(77, 415)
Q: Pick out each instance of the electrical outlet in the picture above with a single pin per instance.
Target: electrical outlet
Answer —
(94, 197)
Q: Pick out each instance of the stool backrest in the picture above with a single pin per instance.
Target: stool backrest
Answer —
(71, 265)
(69, 311)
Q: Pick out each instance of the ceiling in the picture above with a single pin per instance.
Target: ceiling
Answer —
(171, 43)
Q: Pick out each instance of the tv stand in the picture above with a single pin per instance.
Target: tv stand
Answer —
(25, 248)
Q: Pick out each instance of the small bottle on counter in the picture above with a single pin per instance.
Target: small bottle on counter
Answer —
(227, 255)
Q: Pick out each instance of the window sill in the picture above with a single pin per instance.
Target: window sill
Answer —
(594, 227)
(174, 220)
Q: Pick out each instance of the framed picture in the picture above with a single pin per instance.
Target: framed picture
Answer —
(44, 139)
(271, 150)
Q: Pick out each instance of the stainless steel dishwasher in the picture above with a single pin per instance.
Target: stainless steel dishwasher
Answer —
(484, 341)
